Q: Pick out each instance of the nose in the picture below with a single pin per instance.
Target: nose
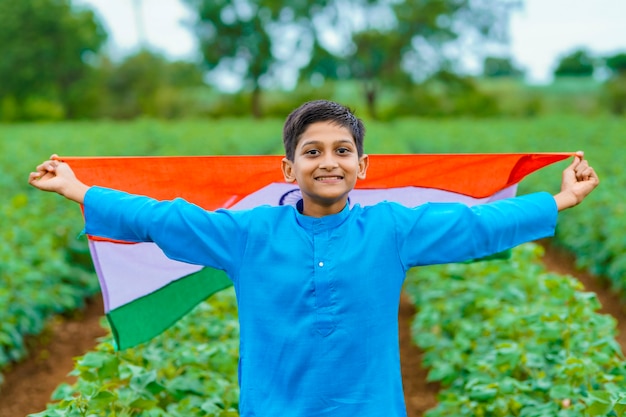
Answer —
(328, 162)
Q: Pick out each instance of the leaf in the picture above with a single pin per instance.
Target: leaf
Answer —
(441, 372)
(109, 368)
(598, 403)
(102, 400)
(483, 393)
(63, 391)
(93, 360)
(561, 392)
(620, 409)
(141, 379)
(143, 404)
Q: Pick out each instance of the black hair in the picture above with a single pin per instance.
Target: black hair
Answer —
(320, 111)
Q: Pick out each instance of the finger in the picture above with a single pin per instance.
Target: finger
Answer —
(581, 167)
(41, 166)
(574, 163)
(569, 173)
(35, 177)
(579, 156)
(586, 170)
(590, 174)
(48, 166)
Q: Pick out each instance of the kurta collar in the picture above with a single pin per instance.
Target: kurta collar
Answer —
(321, 223)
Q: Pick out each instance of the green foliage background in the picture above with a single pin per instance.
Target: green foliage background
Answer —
(54, 66)
(561, 360)
(46, 270)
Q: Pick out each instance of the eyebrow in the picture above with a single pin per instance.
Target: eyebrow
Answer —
(338, 141)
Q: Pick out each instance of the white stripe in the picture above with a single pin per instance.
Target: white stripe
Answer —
(128, 272)
(131, 271)
(277, 193)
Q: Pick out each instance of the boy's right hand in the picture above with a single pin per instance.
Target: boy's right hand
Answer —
(56, 176)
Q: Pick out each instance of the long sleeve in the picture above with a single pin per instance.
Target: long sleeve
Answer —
(442, 232)
(184, 231)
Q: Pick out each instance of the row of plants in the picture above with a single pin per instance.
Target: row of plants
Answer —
(43, 271)
(507, 338)
(504, 338)
(190, 370)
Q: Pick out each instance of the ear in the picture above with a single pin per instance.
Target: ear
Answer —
(364, 162)
(288, 171)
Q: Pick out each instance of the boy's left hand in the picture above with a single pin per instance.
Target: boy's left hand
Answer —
(579, 179)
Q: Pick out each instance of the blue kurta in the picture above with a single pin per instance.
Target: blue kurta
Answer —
(318, 297)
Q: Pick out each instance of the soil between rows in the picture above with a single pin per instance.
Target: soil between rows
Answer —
(29, 384)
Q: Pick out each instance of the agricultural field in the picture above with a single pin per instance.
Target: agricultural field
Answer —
(553, 353)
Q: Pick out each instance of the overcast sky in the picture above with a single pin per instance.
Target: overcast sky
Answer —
(541, 32)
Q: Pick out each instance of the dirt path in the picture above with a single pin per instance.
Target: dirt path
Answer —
(419, 395)
(28, 385)
(562, 262)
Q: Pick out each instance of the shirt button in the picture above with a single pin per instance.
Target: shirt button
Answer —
(321, 264)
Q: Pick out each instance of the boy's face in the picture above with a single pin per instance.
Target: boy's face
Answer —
(326, 166)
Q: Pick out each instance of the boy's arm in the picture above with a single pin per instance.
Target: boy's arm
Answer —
(184, 231)
(56, 176)
(579, 179)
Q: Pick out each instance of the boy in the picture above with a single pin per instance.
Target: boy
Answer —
(318, 285)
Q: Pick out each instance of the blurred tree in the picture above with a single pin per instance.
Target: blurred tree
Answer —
(617, 64)
(377, 42)
(494, 67)
(614, 91)
(235, 37)
(146, 83)
(45, 47)
(396, 42)
(577, 64)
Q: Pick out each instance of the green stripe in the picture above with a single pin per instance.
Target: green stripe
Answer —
(148, 316)
(505, 254)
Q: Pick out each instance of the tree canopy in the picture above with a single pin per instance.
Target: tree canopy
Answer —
(617, 64)
(393, 42)
(235, 36)
(494, 67)
(401, 57)
(576, 64)
(373, 41)
(45, 46)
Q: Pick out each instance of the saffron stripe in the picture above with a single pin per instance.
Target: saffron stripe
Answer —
(208, 180)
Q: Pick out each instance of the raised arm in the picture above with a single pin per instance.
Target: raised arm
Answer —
(56, 176)
(579, 179)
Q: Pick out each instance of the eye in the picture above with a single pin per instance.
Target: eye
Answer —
(343, 151)
(312, 152)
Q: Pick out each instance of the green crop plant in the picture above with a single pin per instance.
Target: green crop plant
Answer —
(45, 268)
(507, 338)
(190, 370)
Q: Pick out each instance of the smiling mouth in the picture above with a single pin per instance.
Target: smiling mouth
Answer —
(333, 178)
(329, 178)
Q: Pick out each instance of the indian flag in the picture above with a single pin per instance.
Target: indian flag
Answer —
(145, 292)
